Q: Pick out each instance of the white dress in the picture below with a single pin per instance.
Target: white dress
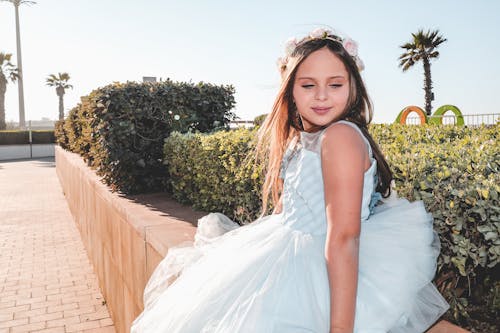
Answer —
(270, 276)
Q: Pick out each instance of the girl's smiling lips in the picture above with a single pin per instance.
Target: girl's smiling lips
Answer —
(321, 110)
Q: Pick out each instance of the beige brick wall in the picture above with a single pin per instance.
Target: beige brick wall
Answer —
(124, 237)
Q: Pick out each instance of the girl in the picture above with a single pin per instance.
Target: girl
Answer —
(334, 257)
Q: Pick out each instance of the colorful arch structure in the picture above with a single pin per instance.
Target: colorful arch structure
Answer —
(438, 119)
(401, 119)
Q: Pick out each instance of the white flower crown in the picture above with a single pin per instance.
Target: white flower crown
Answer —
(349, 45)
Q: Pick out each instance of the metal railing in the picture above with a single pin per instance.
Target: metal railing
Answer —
(33, 125)
(241, 123)
(469, 119)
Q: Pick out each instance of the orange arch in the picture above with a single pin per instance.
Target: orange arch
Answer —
(401, 119)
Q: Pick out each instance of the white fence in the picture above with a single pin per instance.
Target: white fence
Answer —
(469, 119)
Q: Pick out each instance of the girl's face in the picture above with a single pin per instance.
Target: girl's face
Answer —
(321, 89)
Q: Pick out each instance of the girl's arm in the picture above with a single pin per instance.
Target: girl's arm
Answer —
(344, 158)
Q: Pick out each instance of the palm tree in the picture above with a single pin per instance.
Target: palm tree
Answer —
(422, 47)
(61, 83)
(17, 3)
(7, 72)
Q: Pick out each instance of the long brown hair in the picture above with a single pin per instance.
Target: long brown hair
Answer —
(282, 124)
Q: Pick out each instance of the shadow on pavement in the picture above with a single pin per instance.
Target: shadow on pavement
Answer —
(39, 161)
(45, 162)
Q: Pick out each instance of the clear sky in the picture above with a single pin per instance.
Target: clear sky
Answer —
(237, 42)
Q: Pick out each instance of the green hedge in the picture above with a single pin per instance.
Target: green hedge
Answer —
(215, 172)
(17, 137)
(454, 170)
(119, 129)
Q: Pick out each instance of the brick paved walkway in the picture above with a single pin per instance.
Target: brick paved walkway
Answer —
(47, 283)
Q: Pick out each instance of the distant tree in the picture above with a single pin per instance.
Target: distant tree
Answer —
(61, 83)
(16, 4)
(8, 72)
(422, 48)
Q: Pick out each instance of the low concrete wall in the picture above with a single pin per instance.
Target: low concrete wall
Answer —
(12, 152)
(125, 237)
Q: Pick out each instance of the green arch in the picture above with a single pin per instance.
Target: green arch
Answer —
(401, 118)
(442, 110)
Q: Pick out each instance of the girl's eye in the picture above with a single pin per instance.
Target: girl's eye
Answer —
(309, 86)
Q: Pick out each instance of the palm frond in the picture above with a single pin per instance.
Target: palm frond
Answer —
(59, 81)
(20, 2)
(434, 54)
(5, 57)
(422, 46)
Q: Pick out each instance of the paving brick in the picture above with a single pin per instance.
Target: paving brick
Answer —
(46, 317)
(82, 310)
(106, 322)
(31, 300)
(14, 309)
(107, 329)
(52, 330)
(62, 307)
(6, 316)
(29, 313)
(45, 292)
(58, 285)
(10, 298)
(28, 327)
(9, 283)
(12, 323)
(78, 299)
(6, 293)
(102, 313)
(7, 304)
(74, 288)
(88, 291)
(61, 296)
(46, 304)
(83, 326)
(18, 285)
(63, 321)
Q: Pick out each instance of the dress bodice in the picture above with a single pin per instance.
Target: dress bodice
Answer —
(303, 192)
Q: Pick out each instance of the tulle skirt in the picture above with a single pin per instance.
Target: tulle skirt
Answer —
(267, 277)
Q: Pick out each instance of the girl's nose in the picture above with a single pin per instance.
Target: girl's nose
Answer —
(320, 93)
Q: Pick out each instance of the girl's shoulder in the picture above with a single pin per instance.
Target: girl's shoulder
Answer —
(337, 133)
(342, 142)
(345, 133)
(344, 126)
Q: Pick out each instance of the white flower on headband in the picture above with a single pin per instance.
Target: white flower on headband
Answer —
(351, 47)
(290, 45)
(320, 33)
